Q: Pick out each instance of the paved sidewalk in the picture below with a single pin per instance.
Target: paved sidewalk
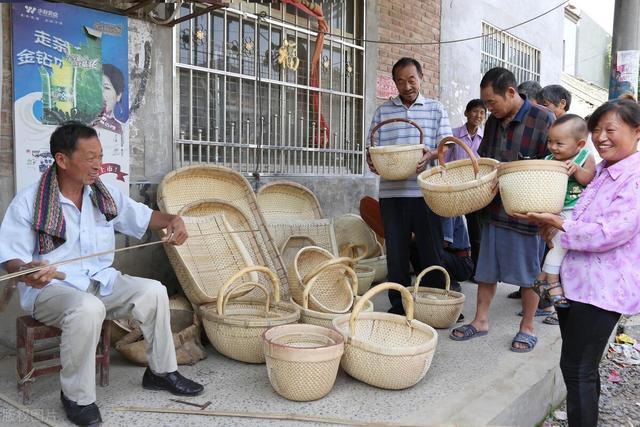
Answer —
(479, 382)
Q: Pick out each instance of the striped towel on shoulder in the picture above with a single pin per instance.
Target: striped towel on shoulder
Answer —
(48, 219)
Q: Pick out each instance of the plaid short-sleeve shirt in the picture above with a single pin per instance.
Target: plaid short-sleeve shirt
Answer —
(523, 137)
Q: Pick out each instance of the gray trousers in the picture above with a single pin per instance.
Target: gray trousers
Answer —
(80, 315)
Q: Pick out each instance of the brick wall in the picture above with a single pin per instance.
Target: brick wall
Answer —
(411, 21)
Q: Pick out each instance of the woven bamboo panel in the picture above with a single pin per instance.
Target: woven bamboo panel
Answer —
(191, 184)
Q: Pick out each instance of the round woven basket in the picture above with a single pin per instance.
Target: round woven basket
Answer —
(533, 186)
(286, 200)
(365, 275)
(378, 263)
(386, 350)
(459, 187)
(302, 360)
(333, 294)
(438, 308)
(354, 237)
(313, 317)
(396, 162)
(235, 328)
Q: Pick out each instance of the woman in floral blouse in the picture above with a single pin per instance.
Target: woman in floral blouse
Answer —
(601, 272)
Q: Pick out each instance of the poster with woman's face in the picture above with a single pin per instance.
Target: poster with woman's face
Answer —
(70, 63)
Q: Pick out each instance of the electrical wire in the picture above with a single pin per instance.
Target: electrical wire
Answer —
(361, 40)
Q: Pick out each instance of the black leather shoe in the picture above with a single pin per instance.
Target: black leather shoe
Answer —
(82, 415)
(173, 382)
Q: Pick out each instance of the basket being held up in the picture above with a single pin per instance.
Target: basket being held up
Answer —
(396, 162)
(459, 187)
(533, 186)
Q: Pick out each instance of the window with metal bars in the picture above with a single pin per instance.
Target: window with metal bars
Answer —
(501, 49)
(244, 106)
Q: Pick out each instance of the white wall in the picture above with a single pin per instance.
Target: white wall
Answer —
(460, 62)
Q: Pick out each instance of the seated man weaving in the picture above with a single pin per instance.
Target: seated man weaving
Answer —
(70, 213)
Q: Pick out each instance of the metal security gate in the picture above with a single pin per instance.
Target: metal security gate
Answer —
(245, 94)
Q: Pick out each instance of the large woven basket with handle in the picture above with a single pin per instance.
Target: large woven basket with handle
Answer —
(235, 327)
(459, 187)
(286, 200)
(533, 186)
(378, 263)
(396, 162)
(313, 317)
(302, 360)
(439, 308)
(386, 350)
(333, 293)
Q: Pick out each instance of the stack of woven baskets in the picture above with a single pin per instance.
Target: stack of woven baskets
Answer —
(356, 240)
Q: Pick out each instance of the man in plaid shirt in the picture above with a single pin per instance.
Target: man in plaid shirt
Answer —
(510, 249)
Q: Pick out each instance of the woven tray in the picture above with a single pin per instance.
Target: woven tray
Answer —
(533, 186)
(195, 183)
(285, 201)
(354, 237)
(221, 243)
(459, 187)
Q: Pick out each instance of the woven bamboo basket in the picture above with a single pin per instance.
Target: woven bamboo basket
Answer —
(302, 360)
(459, 187)
(352, 233)
(235, 327)
(378, 263)
(438, 308)
(320, 231)
(222, 241)
(191, 184)
(333, 294)
(285, 200)
(313, 317)
(365, 275)
(386, 350)
(396, 162)
(533, 186)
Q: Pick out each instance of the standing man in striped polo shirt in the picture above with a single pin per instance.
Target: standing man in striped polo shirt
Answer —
(401, 204)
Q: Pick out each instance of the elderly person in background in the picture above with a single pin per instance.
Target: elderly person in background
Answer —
(530, 89)
(556, 98)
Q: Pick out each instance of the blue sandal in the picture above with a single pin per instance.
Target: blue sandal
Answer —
(529, 340)
(468, 331)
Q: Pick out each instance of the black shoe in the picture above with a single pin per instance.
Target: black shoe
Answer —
(515, 295)
(173, 382)
(460, 318)
(82, 415)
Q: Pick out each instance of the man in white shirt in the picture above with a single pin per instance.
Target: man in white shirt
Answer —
(71, 213)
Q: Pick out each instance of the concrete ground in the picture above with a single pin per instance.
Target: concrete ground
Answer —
(478, 382)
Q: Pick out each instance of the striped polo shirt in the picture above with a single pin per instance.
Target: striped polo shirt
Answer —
(430, 115)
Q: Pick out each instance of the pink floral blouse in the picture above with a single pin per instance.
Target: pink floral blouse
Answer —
(602, 266)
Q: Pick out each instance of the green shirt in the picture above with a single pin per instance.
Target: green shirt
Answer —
(574, 188)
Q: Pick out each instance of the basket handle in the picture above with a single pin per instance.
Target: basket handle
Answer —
(313, 280)
(380, 250)
(447, 279)
(222, 301)
(406, 297)
(320, 267)
(275, 282)
(384, 122)
(465, 147)
(296, 236)
(353, 249)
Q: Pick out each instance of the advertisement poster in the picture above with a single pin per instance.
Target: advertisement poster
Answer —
(624, 76)
(70, 63)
